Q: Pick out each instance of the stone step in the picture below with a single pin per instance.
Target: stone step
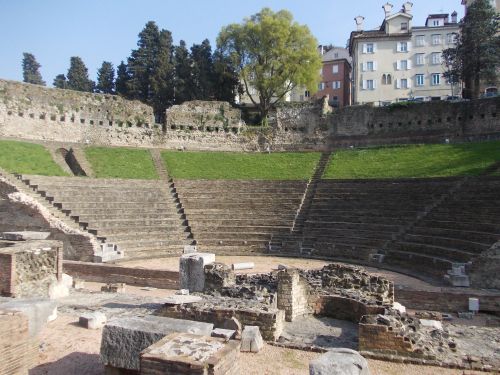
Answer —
(450, 254)
(459, 244)
(138, 211)
(426, 264)
(213, 222)
(469, 226)
(127, 216)
(347, 241)
(123, 205)
(86, 181)
(152, 253)
(355, 219)
(152, 243)
(457, 233)
(232, 242)
(241, 229)
(233, 250)
(115, 199)
(139, 222)
(354, 226)
(227, 235)
(124, 233)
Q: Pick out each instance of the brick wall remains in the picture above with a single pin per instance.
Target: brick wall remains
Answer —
(17, 349)
(294, 294)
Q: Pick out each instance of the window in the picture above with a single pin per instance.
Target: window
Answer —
(369, 48)
(404, 26)
(335, 69)
(435, 23)
(386, 79)
(436, 58)
(404, 83)
(369, 84)
(321, 86)
(419, 79)
(420, 40)
(436, 79)
(336, 55)
(336, 85)
(389, 79)
(369, 66)
(436, 39)
(404, 65)
(307, 94)
(451, 38)
(403, 47)
(420, 58)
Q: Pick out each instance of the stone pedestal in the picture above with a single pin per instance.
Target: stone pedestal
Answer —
(339, 362)
(191, 270)
(183, 353)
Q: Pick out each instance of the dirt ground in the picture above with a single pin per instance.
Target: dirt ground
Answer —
(67, 349)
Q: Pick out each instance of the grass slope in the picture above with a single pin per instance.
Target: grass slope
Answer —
(121, 163)
(467, 159)
(28, 158)
(240, 166)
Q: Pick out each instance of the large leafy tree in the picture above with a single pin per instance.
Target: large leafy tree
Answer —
(272, 54)
(31, 73)
(183, 74)
(122, 79)
(106, 78)
(60, 82)
(202, 70)
(476, 56)
(78, 76)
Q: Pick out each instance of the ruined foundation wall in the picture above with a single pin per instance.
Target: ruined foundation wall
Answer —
(37, 113)
(294, 294)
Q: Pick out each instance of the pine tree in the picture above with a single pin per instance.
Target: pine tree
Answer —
(203, 70)
(78, 77)
(476, 56)
(183, 77)
(31, 73)
(60, 82)
(106, 78)
(122, 79)
(226, 82)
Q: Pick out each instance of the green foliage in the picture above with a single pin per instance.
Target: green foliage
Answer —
(28, 158)
(202, 70)
(122, 78)
(240, 166)
(106, 78)
(476, 56)
(467, 159)
(225, 78)
(60, 82)
(121, 163)
(272, 54)
(31, 73)
(78, 76)
(183, 77)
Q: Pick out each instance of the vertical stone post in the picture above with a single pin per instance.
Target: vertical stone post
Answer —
(293, 294)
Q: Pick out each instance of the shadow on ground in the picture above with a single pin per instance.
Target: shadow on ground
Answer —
(75, 364)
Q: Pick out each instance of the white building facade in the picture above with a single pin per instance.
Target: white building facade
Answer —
(400, 61)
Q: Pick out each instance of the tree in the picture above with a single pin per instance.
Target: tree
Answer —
(106, 78)
(151, 69)
(476, 56)
(31, 73)
(202, 70)
(183, 74)
(60, 82)
(225, 80)
(272, 54)
(122, 79)
(78, 77)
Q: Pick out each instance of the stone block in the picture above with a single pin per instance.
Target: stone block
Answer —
(182, 292)
(25, 236)
(78, 283)
(339, 361)
(190, 249)
(233, 324)
(58, 290)
(227, 334)
(93, 320)
(67, 280)
(182, 353)
(436, 324)
(124, 338)
(191, 270)
(251, 339)
(38, 311)
(113, 288)
(107, 253)
(181, 299)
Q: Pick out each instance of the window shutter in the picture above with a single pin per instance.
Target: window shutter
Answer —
(374, 66)
(374, 47)
(363, 67)
(398, 84)
(409, 46)
(363, 85)
(364, 48)
(374, 84)
(398, 65)
(408, 64)
(408, 83)
(398, 48)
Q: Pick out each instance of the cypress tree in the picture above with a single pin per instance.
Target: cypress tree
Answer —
(31, 73)
(122, 79)
(183, 76)
(60, 82)
(203, 70)
(106, 78)
(78, 77)
(226, 81)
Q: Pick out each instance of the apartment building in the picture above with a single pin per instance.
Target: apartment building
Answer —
(399, 61)
(335, 76)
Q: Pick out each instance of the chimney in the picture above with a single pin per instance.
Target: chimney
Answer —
(407, 7)
(454, 16)
(387, 9)
(359, 22)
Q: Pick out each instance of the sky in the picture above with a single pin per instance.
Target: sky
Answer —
(106, 30)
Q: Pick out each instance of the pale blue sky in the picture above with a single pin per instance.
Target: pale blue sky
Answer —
(97, 30)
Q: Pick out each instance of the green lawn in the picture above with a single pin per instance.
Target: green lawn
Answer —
(240, 166)
(121, 163)
(466, 159)
(28, 158)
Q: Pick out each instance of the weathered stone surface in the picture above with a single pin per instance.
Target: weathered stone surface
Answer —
(24, 236)
(436, 324)
(191, 270)
(58, 290)
(180, 299)
(251, 340)
(39, 312)
(233, 324)
(114, 288)
(339, 362)
(93, 320)
(217, 276)
(227, 334)
(124, 338)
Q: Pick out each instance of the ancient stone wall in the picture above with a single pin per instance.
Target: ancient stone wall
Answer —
(294, 294)
(17, 349)
(34, 266)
